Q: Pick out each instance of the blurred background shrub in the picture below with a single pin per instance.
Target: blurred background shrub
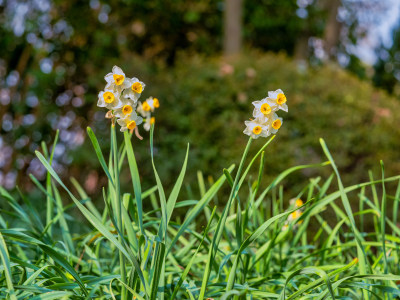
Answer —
(54, 55)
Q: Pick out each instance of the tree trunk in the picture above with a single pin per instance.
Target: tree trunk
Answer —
(232, 27)
(301, 47)
(332, 30)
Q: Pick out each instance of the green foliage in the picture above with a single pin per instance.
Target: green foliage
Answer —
(253, 249)
(73, 38)
(387, 68)
(204, 104)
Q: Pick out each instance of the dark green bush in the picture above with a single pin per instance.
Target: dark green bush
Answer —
(204, 104)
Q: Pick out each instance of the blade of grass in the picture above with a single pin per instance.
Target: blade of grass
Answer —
(383, 221)
(177, 187)
(99, 154)
(7, 269)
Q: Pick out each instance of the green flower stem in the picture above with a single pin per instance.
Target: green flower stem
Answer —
(117, 201)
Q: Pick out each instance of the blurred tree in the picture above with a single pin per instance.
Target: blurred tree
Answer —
(52, 52)
(387, 67)
(232, 26)
(332, 28)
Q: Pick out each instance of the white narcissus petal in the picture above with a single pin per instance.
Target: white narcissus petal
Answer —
(109, 77)
(117, 70)
(101, 102)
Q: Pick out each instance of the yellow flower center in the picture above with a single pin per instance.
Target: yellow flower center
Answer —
(276, 124)
(131, 125)
(127, 109)
(265, 109)
(119, 79)
(137, 87)
(108, 97)
(146, 106)
(295, 215)
(257, 130)
(156, 103)
(281, 99)
(152, 120)
(298, 203)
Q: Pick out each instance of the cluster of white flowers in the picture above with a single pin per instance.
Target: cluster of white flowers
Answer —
(294, 203)
(266, 121)
(121, 96)
(145, 109)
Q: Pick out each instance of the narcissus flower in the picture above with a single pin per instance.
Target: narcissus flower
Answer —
(294, 215)
(130, 121)
(135, 88)
(150, 104)
(148, 122)
(298, 202)
(127, 108)
(116, 80)
(266, 120)
(109, 99)
(264, 108)
(121, 98)
(274, 123)
(256, 128)
(280, 99)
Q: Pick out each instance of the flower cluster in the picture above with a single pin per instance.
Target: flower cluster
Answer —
(292, 218)
(145, 109)
(266, 121)
(121, 96)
